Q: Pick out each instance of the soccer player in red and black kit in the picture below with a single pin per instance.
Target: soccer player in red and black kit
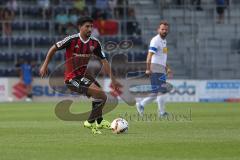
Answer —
(79, 48)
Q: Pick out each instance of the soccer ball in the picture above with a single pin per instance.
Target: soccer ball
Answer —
(119, 125)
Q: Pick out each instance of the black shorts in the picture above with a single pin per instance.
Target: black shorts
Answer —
(220, 9)
(80, 84)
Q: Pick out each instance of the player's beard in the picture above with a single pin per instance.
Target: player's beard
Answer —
(88, 34)
(163, 35)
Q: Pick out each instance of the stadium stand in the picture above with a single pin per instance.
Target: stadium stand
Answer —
(200, 47)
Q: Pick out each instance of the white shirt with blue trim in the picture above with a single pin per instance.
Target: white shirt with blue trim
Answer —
(158, 46)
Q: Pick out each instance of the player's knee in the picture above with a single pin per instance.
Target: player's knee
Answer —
(100, 94)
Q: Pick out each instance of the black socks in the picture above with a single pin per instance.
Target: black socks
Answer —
(96, 113)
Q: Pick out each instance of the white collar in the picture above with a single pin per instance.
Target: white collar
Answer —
(82, 39)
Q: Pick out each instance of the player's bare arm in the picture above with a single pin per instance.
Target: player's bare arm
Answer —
(148, 62)
(44, 67)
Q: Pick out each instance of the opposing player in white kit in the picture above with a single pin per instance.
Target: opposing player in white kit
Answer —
(157, 69)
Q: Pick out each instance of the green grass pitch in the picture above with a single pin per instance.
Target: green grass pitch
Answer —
(195, 131)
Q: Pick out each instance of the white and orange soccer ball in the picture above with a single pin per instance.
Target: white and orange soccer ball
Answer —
(119, 125)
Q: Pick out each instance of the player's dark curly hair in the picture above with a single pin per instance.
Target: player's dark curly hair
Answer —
(83, 20)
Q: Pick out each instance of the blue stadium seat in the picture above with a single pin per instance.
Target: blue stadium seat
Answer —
(59, 9)
(42, 56)
(17, 11)
(35, 71)
(21, 41)
(38, 25)
(43, 41)
(140, 56)
(7, 72)
(3, 41)
(16, 25)
(130, 56)
(33, 25)
(35, 56)
(3, 56)
(113, 39)
(14, 41)
(2, 73)
(33, 11)
(136, 40)
(10, 57)
(6, 57)
(20, 55)
(58, 56)
(26, 41)
(27, 56)
(24, 10)
(11, 72)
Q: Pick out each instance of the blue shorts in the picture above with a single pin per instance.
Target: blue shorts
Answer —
(158, 83)
(27, 81)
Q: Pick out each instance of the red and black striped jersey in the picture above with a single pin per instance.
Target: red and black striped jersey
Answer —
(78, 53)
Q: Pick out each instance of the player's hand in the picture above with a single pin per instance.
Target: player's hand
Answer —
(169, 73)
(43, 71)
(116, 88)
(116, 85)
(21, 81)
(148, 72)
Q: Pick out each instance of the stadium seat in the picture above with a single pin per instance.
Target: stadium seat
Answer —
(130, 56)
(3, 41)
(2, 73)
(140, 56)
(35, 71)
(42, 55)
(16, 25)
(34, 56)
(21, 41)
(10, 57)
(111, 38)
(26, 55)
(58, 10)
(17, 11)
(29, 30)
(43, 41)
(23, 56)
(137, 40)
(6, 57)
(32, 11)
(2, 56)
(58, 57)
(38, 25)
(7, 72)
(11, 72)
